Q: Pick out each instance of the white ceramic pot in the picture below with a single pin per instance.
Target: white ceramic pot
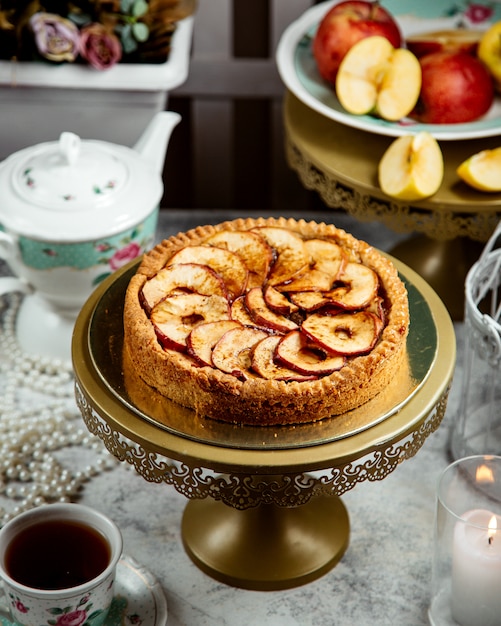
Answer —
(73, 211)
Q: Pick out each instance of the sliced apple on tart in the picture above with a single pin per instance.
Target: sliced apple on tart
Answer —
(190, 277)
(299, 353)
(202, 339)
(265, 364)
(291, 254)
(251, 247)
(348, 334)
(176, 315)
(233, 352)
(359, 286)
(227, 264)
(262, 315)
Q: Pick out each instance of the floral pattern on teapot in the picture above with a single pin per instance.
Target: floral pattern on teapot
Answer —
(110, 253)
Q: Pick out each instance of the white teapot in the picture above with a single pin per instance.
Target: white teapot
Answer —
(73, 211)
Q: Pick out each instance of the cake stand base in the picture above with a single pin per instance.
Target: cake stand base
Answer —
(443, 264)
(268, 547)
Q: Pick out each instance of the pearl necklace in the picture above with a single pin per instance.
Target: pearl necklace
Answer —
(46, 454)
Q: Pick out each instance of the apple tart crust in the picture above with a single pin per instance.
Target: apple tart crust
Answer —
(271, 361)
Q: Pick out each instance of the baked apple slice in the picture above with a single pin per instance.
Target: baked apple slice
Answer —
(299, 353)
(176, 316)
(326, 256)
(359, 288)
(291, 254)
(309, 300)
(232, 354)
(253, 249)
(187, 276)
(311, 280)
(263, 315)
(204, 337)
(264, 364)
(277, 302)
(347, 334)
(227, 264)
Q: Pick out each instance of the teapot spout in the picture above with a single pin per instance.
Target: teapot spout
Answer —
(152, 145)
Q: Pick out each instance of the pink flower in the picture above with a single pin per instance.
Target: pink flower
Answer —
(74, 618)
(478, 13)
(99, 47)
(19, 606)
(123, 256)
(56, 37)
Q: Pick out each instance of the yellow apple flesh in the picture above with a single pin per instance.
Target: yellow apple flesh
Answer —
(489, 52)
(482, 170)
(412, 168)
(376, 78)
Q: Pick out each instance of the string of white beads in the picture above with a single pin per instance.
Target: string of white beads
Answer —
(40, 427)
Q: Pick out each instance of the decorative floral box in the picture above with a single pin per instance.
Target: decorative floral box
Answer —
(39, 101)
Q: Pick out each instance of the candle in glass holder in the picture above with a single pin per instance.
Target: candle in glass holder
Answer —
(476, 569)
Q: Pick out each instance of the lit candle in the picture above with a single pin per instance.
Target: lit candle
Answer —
(476, 570)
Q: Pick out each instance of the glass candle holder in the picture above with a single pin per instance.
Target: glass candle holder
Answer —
(466, 575)
(477, 426)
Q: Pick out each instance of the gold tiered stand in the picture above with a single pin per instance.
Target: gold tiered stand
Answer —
(264, 507)
(340, 163)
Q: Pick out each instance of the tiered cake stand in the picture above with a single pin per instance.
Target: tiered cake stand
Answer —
(340, 163)
(264, 507)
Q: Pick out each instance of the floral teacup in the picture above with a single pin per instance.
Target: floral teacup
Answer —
(88, 602)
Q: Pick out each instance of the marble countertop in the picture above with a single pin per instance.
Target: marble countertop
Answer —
(383, 579)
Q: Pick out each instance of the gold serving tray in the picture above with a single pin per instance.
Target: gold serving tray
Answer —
(105, 346)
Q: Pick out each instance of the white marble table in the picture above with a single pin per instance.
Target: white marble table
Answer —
(384, 578)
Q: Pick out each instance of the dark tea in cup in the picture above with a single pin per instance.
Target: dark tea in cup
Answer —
(57, 554)
(58, 559)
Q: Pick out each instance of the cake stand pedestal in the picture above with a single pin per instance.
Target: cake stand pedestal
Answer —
(340, 163)
(264, 507)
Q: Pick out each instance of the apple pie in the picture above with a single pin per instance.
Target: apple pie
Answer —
(266, 321)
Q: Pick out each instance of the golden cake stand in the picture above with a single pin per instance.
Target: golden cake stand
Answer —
(340, 163)
(264, 508)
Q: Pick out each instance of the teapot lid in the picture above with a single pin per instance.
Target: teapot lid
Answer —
(76, 190)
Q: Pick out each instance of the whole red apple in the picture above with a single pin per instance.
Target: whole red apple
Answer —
(456, 88)
(346, 23)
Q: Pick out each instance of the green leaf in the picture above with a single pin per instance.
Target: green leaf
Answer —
(125, 5)
(140, 31)
(139, 7)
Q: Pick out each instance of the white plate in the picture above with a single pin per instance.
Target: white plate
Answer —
(298, 69)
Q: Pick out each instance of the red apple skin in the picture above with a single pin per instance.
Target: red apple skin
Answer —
(456, 88)
(443, 41)
(343, 26)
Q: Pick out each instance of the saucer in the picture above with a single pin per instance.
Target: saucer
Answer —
(139, 598)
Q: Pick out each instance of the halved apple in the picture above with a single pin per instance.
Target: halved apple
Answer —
(188, 276)
(360, 286)
(263, 315)
(376, 78)
(482, 170)
(233, 352)
(412, 167)
(299, 353)
(176, 316)
(264, 364)
(291, 254)
(348, 334)
(227, 264)
(204, 337)
(255, 252)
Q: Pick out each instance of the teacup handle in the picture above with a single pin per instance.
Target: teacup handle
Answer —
(7, 247)
(9, 284)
